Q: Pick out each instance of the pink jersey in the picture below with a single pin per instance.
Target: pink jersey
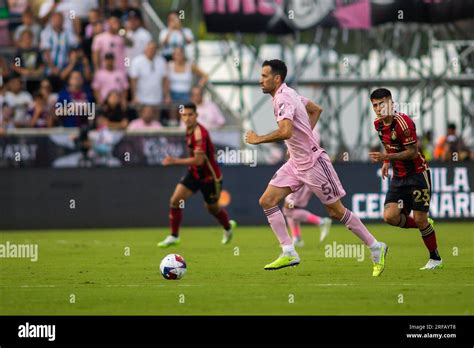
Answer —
(302, 146)
(305, 102)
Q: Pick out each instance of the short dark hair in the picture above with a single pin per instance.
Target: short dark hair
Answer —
(176, 12)
(115, 14)
(452, 126)
(278, 67)
(190, 105)
(380, 93)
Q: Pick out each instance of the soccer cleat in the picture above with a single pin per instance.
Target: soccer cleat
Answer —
(226, 238)
(169, 241)
(284, 260)
(325, 227)
(298, 242)
(433, 264)
(379, 265)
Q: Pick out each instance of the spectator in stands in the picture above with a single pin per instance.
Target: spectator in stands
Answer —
(174, 35)
(72, 11)
(40, 116)
(149, 78)
(28, 23)
(209, 114)
(102, 142)
(19, 100)
(425, 145)
(4, 69)
(77, 62)
(17, 7)
(110, 79)
(56, 43)
(115, 111)
(109, 42)
(28, 60)
(6, 112)
(451, 147)
(98, 28)
(74, 93)
(180, 74)
(94, 17)
(137, 36)
(46, 90)
(123, 8)
(147, 121)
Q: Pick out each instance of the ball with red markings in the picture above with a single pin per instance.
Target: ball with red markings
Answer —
(173, 267)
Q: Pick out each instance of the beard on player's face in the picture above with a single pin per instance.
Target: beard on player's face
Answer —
(268, 86)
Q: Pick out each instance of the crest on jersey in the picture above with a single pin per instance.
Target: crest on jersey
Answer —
(394, 135)
(406, 132)
(281, 107)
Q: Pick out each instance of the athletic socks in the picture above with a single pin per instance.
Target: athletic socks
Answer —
(295, 227)
(223, 218)
(407, 221)
(429, 238)
(278, 225)
(354, 224)
(176, 216)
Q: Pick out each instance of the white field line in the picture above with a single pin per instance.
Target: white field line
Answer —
(200, 285)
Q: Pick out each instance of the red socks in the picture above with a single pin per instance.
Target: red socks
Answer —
(223, 218)
(407, 221)
(176, 216)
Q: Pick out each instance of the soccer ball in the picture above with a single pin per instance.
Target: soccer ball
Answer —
(173, 267)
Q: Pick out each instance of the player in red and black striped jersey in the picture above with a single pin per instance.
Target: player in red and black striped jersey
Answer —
(203, 174)
(410, 186)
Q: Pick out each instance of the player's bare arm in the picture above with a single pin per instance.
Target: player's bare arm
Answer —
(385, 168)
(197, 160)
(284, 131)
(314, 112)
(410, 153)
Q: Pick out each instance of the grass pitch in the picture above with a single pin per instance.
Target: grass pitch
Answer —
(92, 265)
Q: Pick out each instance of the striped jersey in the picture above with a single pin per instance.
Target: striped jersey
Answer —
(395, 138)
(198, 140)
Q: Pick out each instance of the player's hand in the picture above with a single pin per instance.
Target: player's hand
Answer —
(167, 161)
(385, 168)
(251, 138)
(377, 156)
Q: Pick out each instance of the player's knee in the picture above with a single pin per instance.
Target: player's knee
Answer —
(391, 218)
(175, 202)
(335, 213)
(212, 208)
(266, 202)
(421, 221)
(287, 211)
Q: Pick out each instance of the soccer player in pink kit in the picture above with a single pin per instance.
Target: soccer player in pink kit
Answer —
(308, 165)
(295, 203)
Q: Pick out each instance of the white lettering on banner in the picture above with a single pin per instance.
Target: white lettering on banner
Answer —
(27, 151)
(451, 196)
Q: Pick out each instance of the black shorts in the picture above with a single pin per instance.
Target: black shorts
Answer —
(211, 191)
(412, 192)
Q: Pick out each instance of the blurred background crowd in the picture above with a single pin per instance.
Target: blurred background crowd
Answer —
(100, 53)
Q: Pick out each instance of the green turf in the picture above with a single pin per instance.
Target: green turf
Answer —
(91, 265)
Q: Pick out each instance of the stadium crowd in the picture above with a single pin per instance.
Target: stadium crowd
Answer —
(100, 53)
